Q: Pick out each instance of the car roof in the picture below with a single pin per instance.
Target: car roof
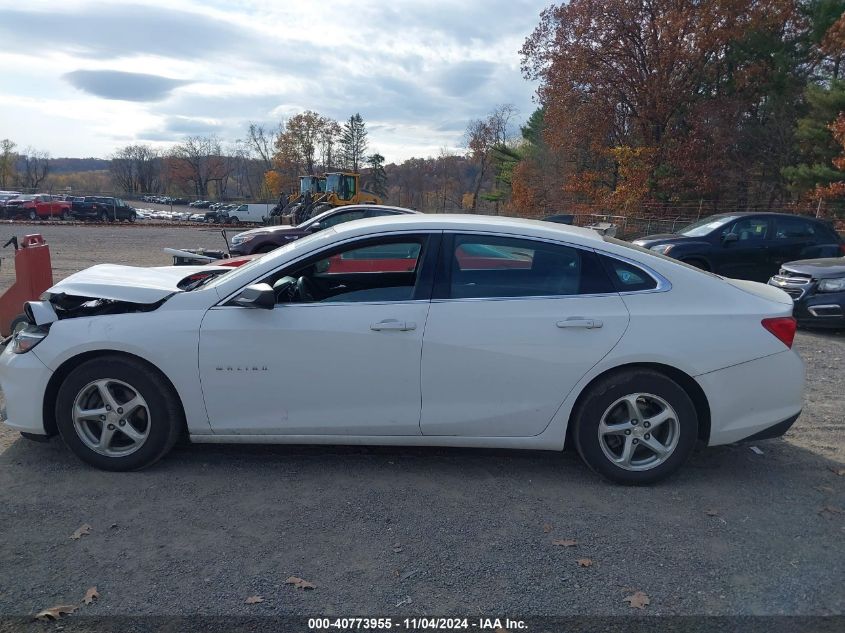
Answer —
(774, 214)
(466, 222)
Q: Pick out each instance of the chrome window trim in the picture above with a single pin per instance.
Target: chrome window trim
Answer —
(663, 284)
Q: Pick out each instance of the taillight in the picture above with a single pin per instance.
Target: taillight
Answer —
(783, 328)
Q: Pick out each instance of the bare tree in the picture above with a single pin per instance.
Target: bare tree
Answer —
(8, 160)
(35, 166)
(482, 135)
(198, 160)
(261, 141)
(136, 169)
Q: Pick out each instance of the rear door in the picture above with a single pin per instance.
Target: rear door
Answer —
(747, 256)
(793, 238)
(514, 324)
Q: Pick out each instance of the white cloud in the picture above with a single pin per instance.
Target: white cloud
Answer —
(160, 70)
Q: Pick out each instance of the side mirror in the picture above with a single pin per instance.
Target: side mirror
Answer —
(316, 227)
(730, 237)
(257, 296)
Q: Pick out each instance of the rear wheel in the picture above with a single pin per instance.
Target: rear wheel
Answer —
(118, 414)
(635, 426)
(66, 215)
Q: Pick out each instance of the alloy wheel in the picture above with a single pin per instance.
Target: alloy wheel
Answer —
(639, 431)
(111, 417)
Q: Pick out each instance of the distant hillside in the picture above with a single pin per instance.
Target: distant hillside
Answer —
(74, 165)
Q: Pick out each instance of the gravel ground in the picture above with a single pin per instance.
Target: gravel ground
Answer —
(423, 531)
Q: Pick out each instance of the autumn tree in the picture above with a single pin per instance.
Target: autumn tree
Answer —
(836, 188)
(8, 161)
(378, 177)
(353, 142)
(637, 93)
(330, 137)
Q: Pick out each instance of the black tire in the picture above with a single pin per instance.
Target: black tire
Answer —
(104, 216)
(133, 217)
(18, 323)
(603, 394)
(33, 215)
(166, 418)
(66, 216)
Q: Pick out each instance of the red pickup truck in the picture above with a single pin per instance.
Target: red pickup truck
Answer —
(37, 206)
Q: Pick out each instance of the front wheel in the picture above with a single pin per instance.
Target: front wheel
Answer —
(118, 414)
(635, 426)
(133, 217)
(104, 217)
(66, 216)
(33, 215)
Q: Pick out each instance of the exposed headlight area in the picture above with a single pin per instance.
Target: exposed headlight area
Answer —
(27, 338)
(241, 238)
(663, 249)
(837, 284)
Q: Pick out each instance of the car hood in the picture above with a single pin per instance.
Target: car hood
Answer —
(823, 268)
(132, 284)
(662, 238)
(282, 228)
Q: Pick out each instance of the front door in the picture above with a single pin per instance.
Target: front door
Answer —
(338, 355)
(515, 324)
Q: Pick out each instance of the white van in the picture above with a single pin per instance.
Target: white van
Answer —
(252, 212)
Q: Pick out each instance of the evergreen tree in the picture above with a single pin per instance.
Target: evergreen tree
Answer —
(816, 146)
(353, 142)
(378, 177)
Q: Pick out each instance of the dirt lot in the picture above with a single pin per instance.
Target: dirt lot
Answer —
(422, 531)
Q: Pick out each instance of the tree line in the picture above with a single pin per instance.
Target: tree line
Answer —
(733, 102)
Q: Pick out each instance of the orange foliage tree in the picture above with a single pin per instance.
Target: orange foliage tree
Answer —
(636, 91)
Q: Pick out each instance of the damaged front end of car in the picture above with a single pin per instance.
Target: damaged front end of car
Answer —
(105, 290)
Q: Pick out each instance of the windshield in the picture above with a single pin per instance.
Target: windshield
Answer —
(706, 226)
(302, 243)
(333, 182)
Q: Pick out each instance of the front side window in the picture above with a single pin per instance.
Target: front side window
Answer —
(374, 271)
(340, 218)
(749, 229)
(498, 267)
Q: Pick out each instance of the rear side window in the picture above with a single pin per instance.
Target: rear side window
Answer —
(627, 277)
(498, 267)
(792, 228)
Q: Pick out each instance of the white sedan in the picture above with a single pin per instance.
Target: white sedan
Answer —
(412, 330)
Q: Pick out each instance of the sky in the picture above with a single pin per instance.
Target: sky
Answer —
(82, 78)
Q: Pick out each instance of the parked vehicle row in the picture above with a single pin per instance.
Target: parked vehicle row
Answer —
(803, 256)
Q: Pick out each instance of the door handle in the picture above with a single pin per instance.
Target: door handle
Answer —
(581, 322)
(393, 324)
